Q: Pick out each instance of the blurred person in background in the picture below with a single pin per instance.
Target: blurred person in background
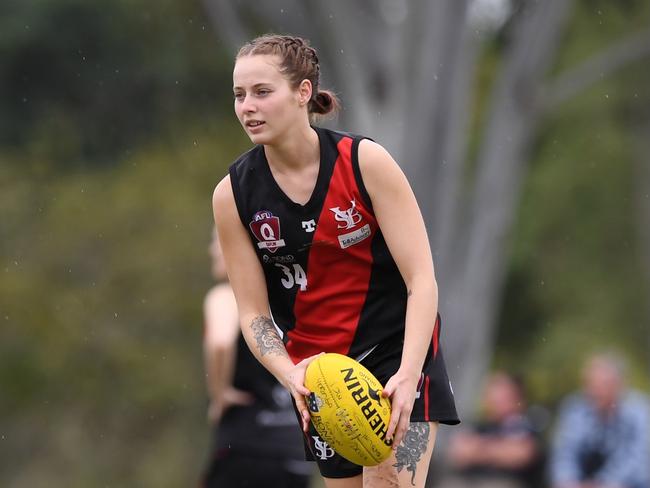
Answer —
(601, 439)
(504, 449)
(256, 440)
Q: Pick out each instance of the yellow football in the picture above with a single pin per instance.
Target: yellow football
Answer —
(347, 408)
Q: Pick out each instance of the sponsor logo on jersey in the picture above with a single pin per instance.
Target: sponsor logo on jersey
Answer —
(349, 218)
(266, 228)
(309, 225)
(289, 258)
(354, 237)
(323, 448)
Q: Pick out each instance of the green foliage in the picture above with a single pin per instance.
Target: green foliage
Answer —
(91, 79)
(575, 283)
(102, 288)
(111, 142)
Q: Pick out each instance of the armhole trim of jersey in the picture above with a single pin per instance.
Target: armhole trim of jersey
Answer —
(234, 183)
(357, 171)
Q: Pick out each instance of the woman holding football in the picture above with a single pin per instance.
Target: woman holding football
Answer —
(326, 251)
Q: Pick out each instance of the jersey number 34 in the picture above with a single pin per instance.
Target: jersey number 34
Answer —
(293, 277)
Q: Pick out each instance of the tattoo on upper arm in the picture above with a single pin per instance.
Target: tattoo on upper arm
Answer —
(267, 338)
(414, 444)
(410, 292)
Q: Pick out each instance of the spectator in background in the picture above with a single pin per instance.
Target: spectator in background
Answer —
(504, 450)
(601, 439)
(256, 439)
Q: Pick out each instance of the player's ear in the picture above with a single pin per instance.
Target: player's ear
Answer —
(305, 90)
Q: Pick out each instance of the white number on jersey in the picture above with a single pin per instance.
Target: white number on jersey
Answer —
(297, 276)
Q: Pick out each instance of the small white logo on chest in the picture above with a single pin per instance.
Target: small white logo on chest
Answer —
(349, 218)
(309, 225)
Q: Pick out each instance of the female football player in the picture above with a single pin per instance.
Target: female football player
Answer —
(327, 251)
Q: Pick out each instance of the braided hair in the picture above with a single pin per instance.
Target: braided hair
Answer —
(299, 61)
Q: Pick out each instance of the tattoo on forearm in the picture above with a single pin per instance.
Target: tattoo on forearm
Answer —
(413, 445)
(267, 338)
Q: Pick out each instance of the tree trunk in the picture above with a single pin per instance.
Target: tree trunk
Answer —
(475, 283)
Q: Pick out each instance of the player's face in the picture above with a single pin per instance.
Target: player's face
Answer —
(602, 384)
(501, 398)
(265, 103)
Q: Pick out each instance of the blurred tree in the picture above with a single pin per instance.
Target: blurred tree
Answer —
(576, 281)
(102, 278)
(642, 194)
(90, 80)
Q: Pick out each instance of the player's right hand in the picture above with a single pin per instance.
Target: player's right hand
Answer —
(295, 383)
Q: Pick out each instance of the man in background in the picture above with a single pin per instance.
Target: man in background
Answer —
(601, 440)
(503, 450)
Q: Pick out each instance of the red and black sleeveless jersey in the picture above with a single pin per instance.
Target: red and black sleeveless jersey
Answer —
(333, 286)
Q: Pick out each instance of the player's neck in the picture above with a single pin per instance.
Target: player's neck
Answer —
(296, 151)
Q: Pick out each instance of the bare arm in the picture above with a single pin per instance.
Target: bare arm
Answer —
(401, 222)
(472, 449)
(248, 283)
(220, 351)
(512, 453)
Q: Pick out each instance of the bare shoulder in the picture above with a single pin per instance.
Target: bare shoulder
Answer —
(223, 195)
(372, 154)
(224, 207)
(378, 168)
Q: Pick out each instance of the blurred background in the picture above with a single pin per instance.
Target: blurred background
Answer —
(524, 127)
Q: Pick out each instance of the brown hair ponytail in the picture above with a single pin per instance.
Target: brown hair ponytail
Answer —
(299, 61)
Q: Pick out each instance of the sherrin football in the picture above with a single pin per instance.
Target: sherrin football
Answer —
(347, 408)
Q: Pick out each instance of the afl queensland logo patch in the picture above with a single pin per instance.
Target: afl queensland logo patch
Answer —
(266, 228)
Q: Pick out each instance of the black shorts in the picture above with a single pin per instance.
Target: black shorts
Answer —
(434, 401)
(238, 470)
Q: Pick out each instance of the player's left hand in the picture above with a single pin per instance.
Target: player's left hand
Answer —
(401, 389)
